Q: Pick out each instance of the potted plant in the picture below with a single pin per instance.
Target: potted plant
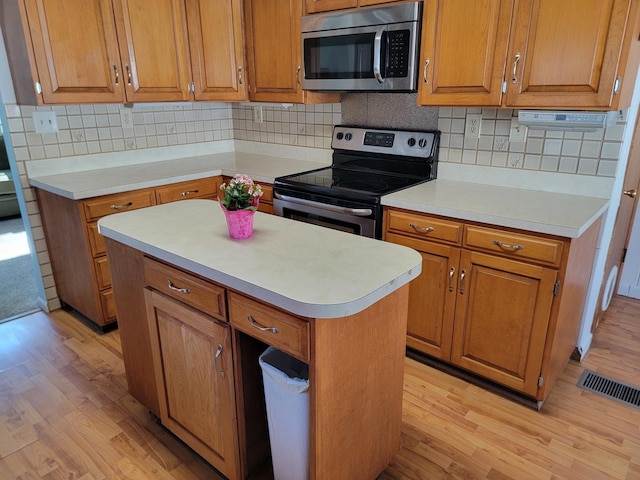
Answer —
(239, 202)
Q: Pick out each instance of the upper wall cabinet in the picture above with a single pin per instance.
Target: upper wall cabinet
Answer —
(575, 54)
(92, 51)
(274, 54)
(316, 6)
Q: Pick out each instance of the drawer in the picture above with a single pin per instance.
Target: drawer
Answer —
(195, 292)
(96, 241)
(103, 273)
(271, 325)
(108, 305)
(267, 193)
(97, 208)
(514, 245)
(424, 226)
(202, 188)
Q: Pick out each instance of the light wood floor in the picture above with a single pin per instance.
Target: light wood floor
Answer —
(65, 414)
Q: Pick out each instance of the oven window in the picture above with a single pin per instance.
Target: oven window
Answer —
(324, 222)
(344, 56)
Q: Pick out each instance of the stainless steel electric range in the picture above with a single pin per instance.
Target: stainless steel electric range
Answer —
(368, 163)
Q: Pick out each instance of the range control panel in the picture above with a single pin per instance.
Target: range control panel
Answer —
(412, 143)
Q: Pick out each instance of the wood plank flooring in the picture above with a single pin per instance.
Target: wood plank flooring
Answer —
(65, 414)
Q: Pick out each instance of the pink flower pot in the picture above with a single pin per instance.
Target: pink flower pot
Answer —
(239, 222)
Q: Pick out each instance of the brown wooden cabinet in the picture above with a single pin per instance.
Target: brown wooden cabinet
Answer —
(193, 364)
(317, 6)
(503, 304)
(538, 53)
(274, 55)
(77, 250)
(76, 51)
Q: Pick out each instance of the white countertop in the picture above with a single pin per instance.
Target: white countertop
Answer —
(306, 269)
(92, 183)
(536, 211)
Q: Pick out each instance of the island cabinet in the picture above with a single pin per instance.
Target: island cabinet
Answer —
(530, 54)
(77, 251)
(503, 304)
(274, 55)
(73, 51)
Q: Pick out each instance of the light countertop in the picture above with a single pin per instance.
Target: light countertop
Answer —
(93, 183)
(536, 211)
(306, 269)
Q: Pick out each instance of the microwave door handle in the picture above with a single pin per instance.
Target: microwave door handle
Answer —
(377, 54)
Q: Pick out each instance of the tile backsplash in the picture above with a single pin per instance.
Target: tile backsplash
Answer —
(98, 128)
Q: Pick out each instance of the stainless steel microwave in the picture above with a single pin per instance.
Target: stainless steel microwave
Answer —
(362, 49)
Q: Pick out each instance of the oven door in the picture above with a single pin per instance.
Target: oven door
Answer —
(360, 220)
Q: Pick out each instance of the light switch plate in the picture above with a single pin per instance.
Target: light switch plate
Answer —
(45, 122)
(517, 133)
(472, 125)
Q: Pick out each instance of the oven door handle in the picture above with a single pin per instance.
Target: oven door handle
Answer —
(358, 212)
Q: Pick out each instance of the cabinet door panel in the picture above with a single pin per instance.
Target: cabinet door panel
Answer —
(316, 6)
(154, 49)
(464, 48)
(194, 378)
(274, 53)
(568, 52)
(75, 50)
(217, 49)
(501, 319)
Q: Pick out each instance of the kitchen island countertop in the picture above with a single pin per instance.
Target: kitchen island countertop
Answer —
(306, 269)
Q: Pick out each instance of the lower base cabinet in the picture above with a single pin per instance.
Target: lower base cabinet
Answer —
(505, 305)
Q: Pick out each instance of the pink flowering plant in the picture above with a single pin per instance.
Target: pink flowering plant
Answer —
(241, 193)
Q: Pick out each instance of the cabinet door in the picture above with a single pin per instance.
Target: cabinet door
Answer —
(155, 60)
(316, 6)
(75, 50)
(217, 50)
(565, 54)
(194, 372)
(274, 53)
(432, 299)
(463, 54)
(501, 320)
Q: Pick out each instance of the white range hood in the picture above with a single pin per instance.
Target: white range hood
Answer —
(567, 120)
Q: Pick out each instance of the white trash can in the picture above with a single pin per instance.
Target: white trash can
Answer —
(286, 391)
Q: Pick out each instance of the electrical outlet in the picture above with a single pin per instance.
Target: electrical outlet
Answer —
(257, 115)
(45, 122)
(472, 125)
(517, 132)
(126, 117)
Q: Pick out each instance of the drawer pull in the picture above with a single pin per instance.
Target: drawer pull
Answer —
(118, 207)
(462, 275)
(255, 324)
(451, 274)
(176, 289)
(420, 229)
(188, 192)
(217, 360)
(508, 246)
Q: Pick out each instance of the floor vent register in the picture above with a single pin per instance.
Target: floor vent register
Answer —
(610, 388)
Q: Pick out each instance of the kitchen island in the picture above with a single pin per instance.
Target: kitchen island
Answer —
(195, 305)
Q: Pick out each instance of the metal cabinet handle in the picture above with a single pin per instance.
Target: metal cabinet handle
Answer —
(217, 360)
(298, 75)
(451, 274)
(115, 70)
(188, 192)
(424, 71)
(177, 289)
(119, 207)
(514, 78)
(240, 75)
(462, 275)
(128, 74)
(508, 246)
(255, 324)
(616, 85)
(420, 229)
